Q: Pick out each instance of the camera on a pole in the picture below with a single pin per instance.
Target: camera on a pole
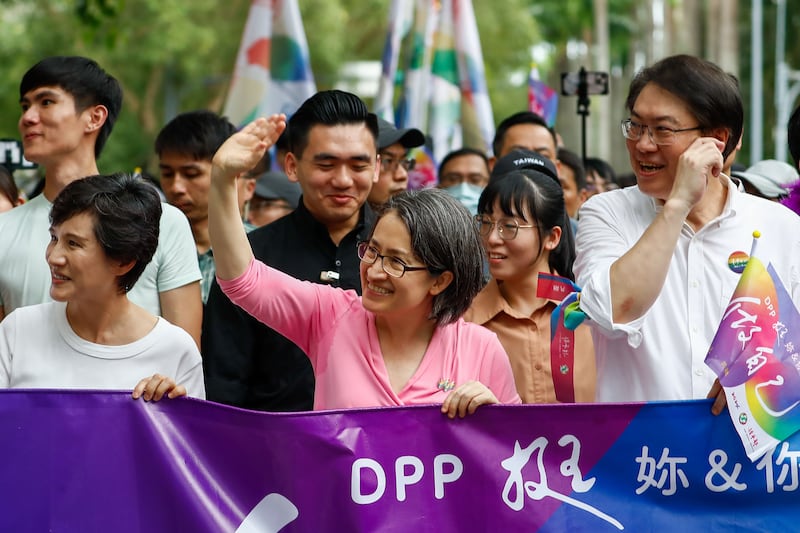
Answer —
(582, 84)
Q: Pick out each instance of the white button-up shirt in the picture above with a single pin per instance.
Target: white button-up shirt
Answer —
(660, 356)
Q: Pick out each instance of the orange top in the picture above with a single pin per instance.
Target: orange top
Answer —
(526, 339)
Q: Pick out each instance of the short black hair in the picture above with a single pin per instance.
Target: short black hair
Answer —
(711, 94)
(462, 152)
(523, 117)
(126, 212)
(601, 167)
(574, 161)
(85, 80)
(283, 141)
(328, 108)
(198, 134)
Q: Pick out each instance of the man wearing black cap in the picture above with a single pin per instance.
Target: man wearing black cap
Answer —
(274, 197)
(393, 147)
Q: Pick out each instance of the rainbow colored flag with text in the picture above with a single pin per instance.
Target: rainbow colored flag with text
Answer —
(273, 71)
(756, 354)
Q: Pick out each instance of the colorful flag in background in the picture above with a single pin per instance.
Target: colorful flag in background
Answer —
(542, 99)
(444, 95)
(413, 102)
(477, 120)
(412, 107)
(273, 71)
(423, 175)
(755, 354)
(444, 87)
(401, 19)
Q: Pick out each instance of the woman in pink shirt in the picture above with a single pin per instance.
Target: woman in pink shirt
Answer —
(404, 342)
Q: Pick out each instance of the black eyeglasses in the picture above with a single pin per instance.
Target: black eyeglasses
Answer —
(507, 228)
(390, 264)
(660, 135)
(258, 204)
(390, 164)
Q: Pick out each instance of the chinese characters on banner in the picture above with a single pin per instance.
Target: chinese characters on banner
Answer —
(100, 461)
(755, 355)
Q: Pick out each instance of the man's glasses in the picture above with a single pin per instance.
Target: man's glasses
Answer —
(660, 135)
(259, 204)
(507, 228)
(390, 164)
(390, 264)
(454, 178)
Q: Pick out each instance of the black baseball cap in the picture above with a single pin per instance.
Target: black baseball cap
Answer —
(523, 159)
(275, 185)
(388, 135)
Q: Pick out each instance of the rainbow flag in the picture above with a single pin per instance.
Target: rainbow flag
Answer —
(273, 71)
(444, 100)
(413, 106)
(542, 99)
(756, 355)
(444, 93)
(477, 119)
(401, 19)
(424, 172)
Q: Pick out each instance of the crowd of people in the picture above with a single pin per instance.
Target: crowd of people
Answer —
(319, 281)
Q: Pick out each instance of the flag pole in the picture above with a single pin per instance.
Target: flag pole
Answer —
(756, 235)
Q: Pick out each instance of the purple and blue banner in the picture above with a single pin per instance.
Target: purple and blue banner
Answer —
(100, 461)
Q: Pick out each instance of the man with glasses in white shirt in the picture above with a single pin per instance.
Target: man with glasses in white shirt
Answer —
(656, 261)
(393, 147)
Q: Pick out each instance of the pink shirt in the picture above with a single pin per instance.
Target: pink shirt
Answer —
(340, 338)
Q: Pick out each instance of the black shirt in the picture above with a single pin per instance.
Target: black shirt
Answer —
(247, 364)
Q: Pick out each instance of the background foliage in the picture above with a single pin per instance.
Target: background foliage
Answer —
(177, 55)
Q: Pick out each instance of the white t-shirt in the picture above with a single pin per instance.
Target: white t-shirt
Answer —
(25, 275)
(660, 356)
(39, 350)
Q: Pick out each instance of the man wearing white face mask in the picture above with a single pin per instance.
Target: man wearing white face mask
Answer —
(463, 174)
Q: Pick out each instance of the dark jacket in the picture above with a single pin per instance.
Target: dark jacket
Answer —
(247, 364)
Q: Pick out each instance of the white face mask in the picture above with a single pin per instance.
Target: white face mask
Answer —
(466, 193)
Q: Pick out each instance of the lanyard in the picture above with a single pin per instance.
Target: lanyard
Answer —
(565, 318)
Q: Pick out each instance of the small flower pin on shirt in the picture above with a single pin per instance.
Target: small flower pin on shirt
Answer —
(446, 385)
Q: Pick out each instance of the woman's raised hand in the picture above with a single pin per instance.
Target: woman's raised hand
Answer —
(245, 148)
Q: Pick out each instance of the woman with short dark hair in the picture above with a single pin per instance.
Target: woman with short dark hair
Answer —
(103, 232)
